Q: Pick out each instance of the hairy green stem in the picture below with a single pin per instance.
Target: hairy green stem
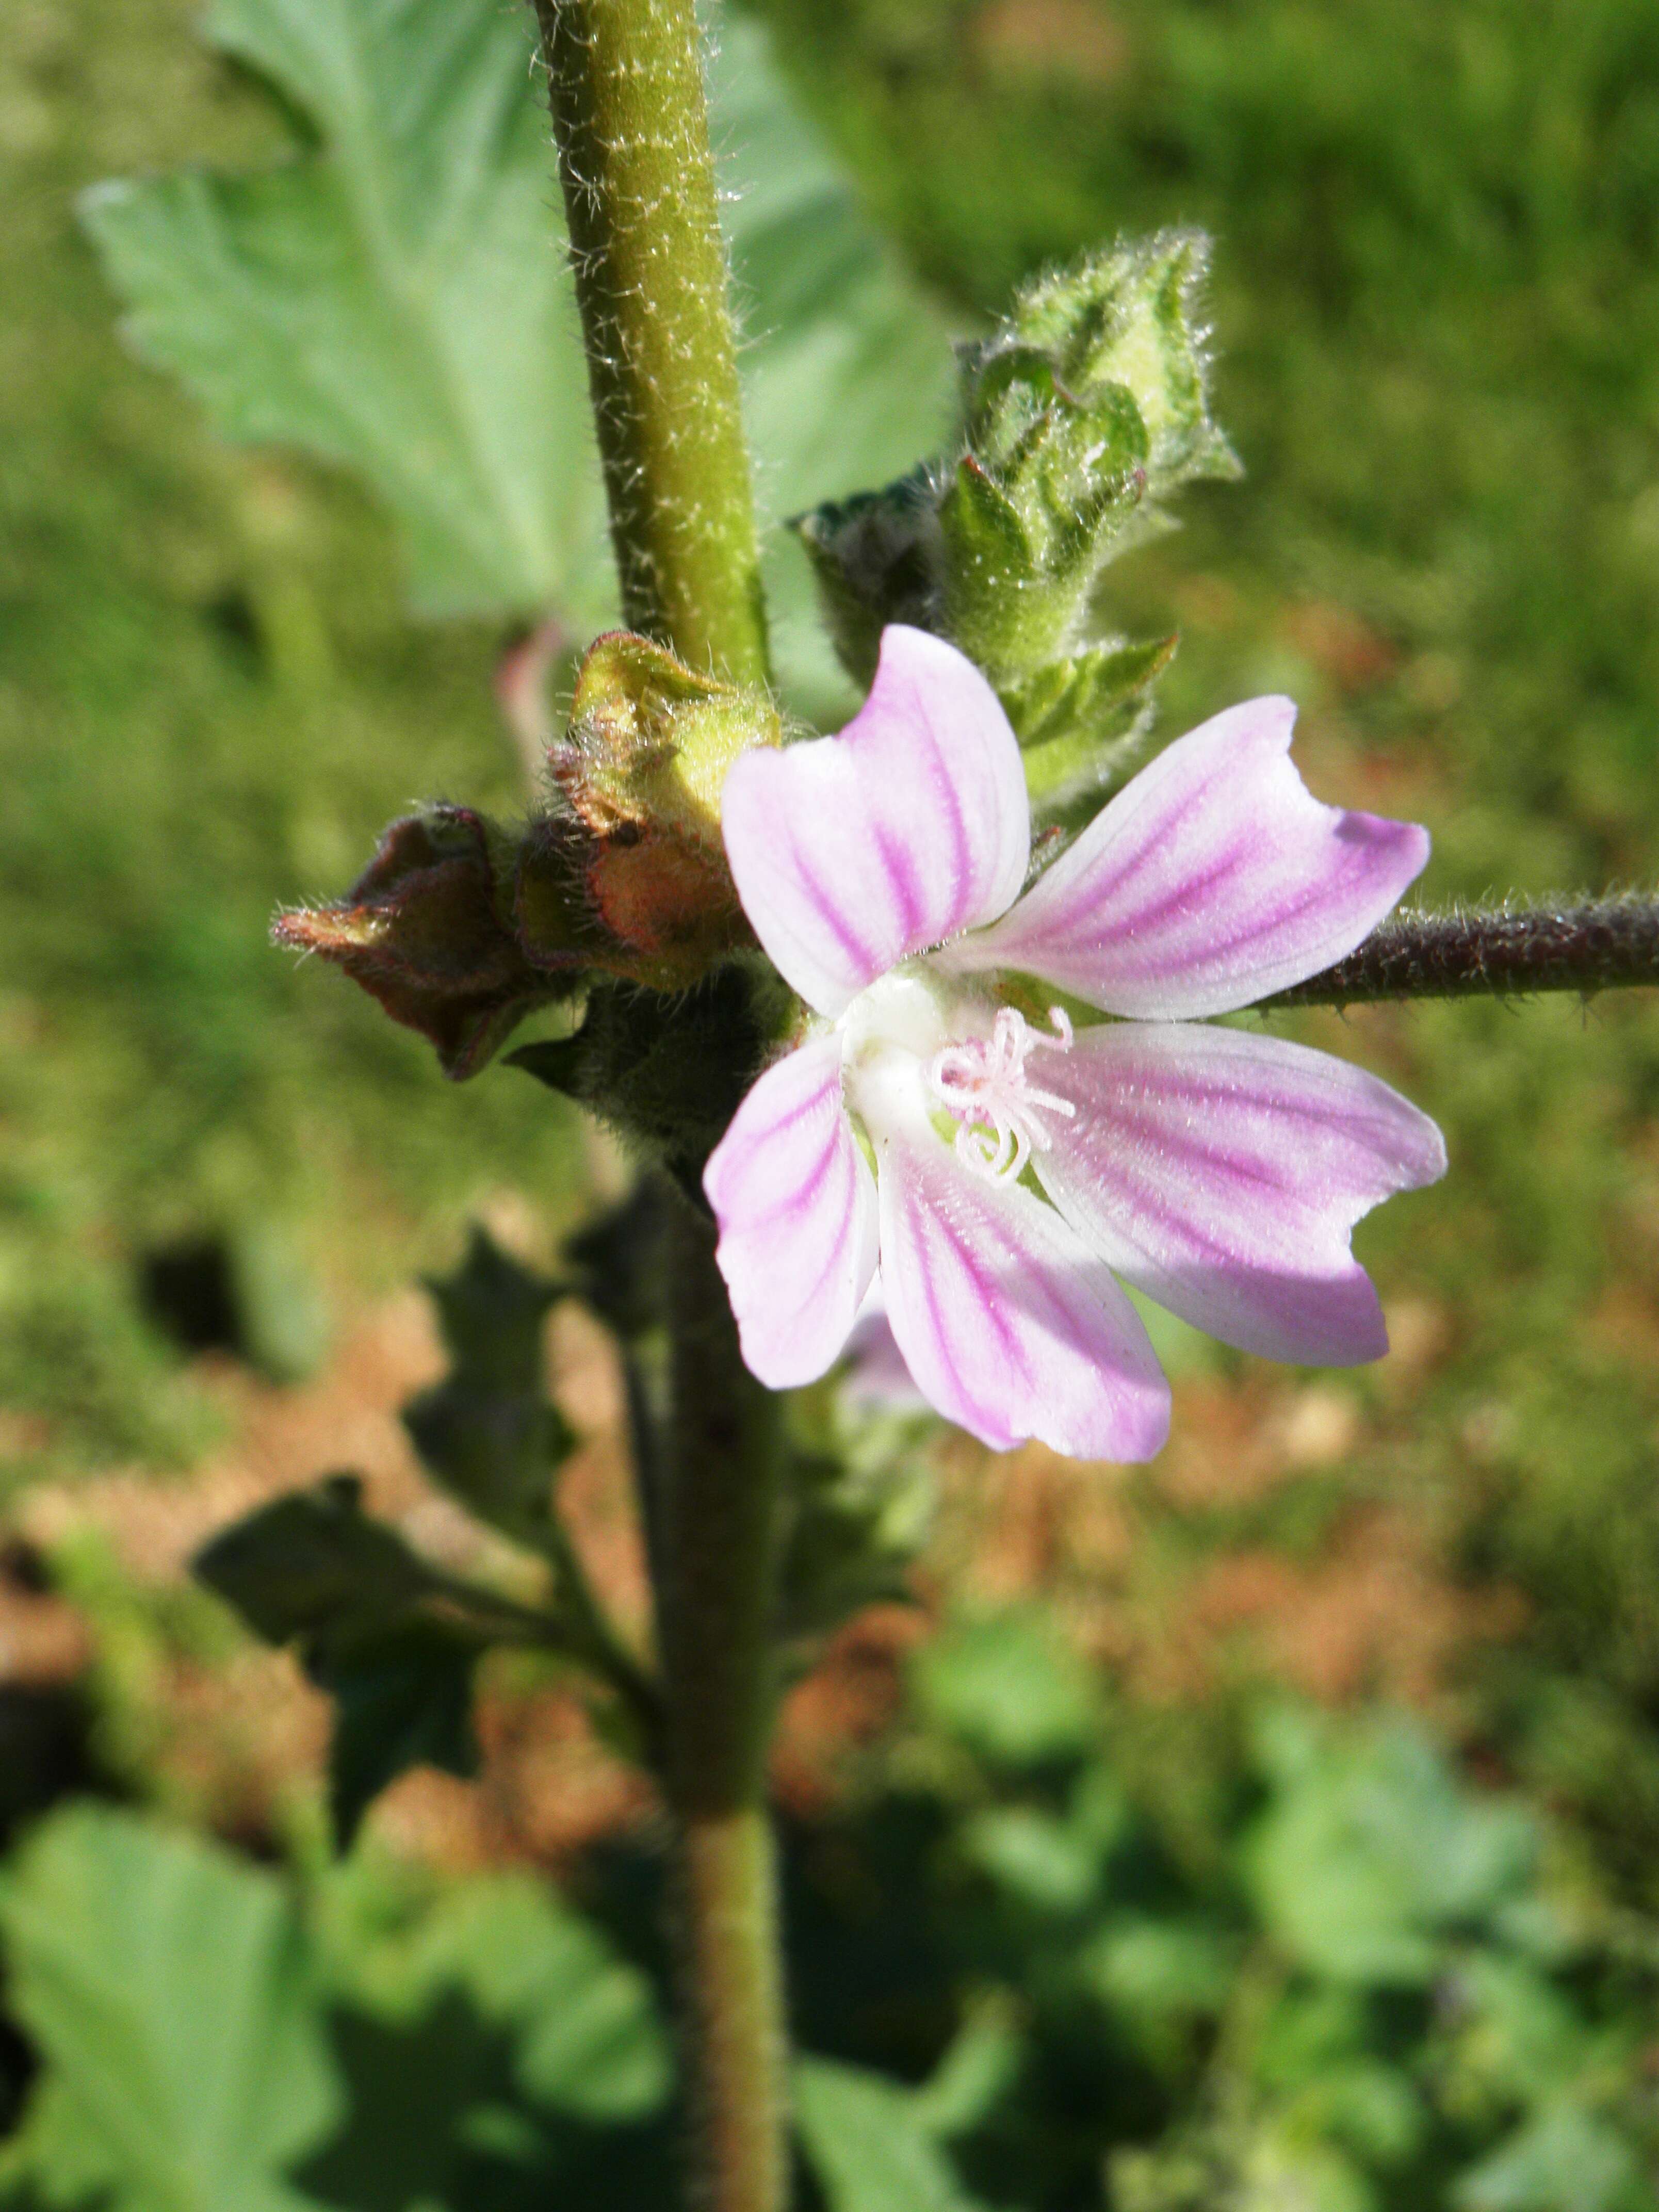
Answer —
(717, 1609)
(626, 91)
(625, 85)
(1582, 945)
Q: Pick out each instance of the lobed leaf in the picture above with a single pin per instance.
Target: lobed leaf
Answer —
(164, 1986)
(391, 1639)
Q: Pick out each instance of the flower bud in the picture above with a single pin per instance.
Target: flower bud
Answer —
(1085, 409)
(1081, 415)
(876, 558)
(637, 781)
(460, 927)
(426, 930)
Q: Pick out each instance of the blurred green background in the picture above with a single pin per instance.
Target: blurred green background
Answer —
(1144, 1927)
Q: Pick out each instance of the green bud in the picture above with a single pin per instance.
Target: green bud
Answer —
(1106, 688)
(1081, 415)
(876, 559)
(1132, 318)
(1082, 722)
(1085, 410)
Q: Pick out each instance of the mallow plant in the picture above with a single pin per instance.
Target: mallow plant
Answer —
(919, 1030)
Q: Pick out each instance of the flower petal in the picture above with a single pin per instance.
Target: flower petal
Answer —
(796, 1205)
(1213, 879)
(1009, 1324)
(850, 853)
(1222, 1173)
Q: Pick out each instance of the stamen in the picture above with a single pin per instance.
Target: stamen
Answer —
(1001, 1112)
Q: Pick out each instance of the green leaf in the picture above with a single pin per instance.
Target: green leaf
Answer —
(849, 378)
(1564, 2160)
(402, 1699)
(1520, 2033)
(1008, 1688)
(1146, 1966)
(866, 2143)
(981, 2064)
(393, 1639)
(162, 1983)
(1043, 1861)
(848, 373)
(587, 2036)
(1372, 1854)
(492, 1315)
(394, 300)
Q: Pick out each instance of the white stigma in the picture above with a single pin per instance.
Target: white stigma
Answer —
(999, 1110)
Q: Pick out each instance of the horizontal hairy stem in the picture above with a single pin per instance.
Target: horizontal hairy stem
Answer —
(1582, 945)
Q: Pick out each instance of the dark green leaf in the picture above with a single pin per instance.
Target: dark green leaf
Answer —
(393, 1639)
(493, 1313)
(402, 1699)
(314, 1566)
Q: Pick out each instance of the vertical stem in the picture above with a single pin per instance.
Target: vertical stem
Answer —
(716, 1618)
(628, 118)
(625, 83)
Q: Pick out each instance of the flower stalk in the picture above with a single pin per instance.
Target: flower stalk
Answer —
(629, 121)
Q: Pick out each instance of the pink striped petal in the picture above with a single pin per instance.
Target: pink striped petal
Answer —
(850, 853)
(796, 1205)
(1210, 881)
(1222, 1173)
(1009, 1324)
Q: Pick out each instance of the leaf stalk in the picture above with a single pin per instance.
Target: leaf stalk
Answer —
(1582, 945)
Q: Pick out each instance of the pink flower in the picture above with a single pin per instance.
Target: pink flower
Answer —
(1219, 1171)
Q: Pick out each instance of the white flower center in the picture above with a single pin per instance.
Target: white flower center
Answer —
(999, 1110)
